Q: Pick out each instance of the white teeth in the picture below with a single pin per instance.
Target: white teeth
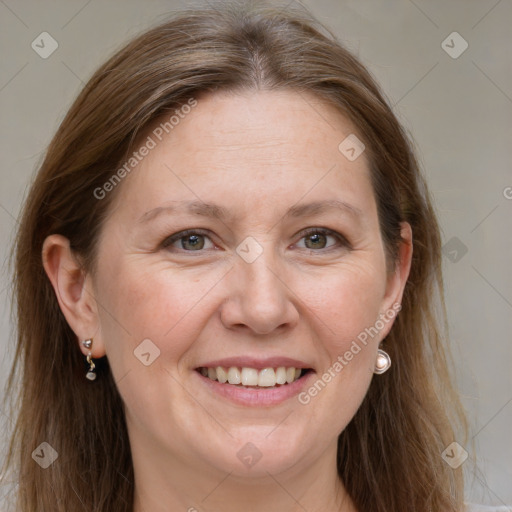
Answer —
(222, 376)
(249, 377)
(234, 376)
(267, 377)
(281, 375)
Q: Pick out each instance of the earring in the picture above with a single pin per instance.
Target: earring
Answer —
(91, 375)
(383, 362)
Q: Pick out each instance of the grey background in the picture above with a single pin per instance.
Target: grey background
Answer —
(459, 111)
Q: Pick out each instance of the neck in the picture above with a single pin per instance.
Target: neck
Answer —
(163, 484)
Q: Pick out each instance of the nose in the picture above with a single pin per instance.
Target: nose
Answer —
(259, 298)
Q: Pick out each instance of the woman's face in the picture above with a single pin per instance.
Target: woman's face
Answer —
(283, 266)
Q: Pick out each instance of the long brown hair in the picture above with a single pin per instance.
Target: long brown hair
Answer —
(389, 456)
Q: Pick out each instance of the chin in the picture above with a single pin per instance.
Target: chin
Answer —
(257, 452)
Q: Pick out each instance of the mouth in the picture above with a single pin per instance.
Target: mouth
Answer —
(254, 378)
(265, 386)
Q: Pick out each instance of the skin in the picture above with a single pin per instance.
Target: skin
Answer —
(256, 154)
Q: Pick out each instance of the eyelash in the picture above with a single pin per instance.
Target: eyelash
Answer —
(343, 242)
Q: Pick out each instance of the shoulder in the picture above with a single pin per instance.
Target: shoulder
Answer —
(473, 507)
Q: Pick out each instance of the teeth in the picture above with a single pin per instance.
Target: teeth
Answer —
(234, 376)
(267, 378)
(281, 375)
(249, 377)
(222, 376)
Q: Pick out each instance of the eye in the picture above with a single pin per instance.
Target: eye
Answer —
(318, 238)
(190, 240)
(196, 240)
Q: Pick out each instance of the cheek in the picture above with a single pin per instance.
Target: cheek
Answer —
(143, 302)
(346, 307)
(346, 302)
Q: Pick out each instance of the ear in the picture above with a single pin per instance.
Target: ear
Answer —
(396, 281)
(73, 288)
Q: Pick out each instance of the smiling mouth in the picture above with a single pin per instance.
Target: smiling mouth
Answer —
(254, 378)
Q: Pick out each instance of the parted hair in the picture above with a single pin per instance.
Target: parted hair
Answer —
(389, 455)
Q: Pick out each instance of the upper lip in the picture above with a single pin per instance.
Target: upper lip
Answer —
(256, 362)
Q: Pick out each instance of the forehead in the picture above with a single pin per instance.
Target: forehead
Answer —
(265, 123)
(249, 147)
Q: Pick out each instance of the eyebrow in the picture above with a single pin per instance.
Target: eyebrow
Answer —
(216, 211)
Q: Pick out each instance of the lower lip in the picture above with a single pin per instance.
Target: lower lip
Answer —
(257, 396)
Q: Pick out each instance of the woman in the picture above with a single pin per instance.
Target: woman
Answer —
(228, 286)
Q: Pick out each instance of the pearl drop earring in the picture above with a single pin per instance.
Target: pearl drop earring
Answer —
(91, 375)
